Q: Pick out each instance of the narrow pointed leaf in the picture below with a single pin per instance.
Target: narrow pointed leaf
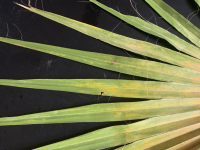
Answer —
(187, 144)
(123, 134)
(109, 87)
(177, 140)
(178, 21)
(107, 112)
(131, 66)
(166, 140)
(154, 30)
(136, 46)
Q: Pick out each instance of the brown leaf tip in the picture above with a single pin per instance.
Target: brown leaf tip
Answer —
(22, 5)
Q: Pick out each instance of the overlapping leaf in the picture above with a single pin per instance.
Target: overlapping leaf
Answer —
(183, 25)
(131, 66)
(187, 144)
(123, 134)
(197, 147)
(108, 112)
(154, 30)
(136, 46)
(166, 140)
(161, 132)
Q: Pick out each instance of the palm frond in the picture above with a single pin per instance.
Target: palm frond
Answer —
(126, 65)
(172, 121)
(179, 22)
(153, 29)
(124, 134)
(108, 112)
(132, 45)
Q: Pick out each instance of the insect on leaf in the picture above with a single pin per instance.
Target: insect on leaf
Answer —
(109, 87)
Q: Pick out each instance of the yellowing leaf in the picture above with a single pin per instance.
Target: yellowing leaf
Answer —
(187, 144)
(183, 25)
(165, 140)
(124, 134)
(108, 112)
(131, 66)
(136, 46)
(109, 87)
(154, 30)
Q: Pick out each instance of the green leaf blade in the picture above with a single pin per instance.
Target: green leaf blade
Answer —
(183, 25)
(136, 46)
(166, 140)
(109, 87)
(198, 2)
(154, 30)
(130, 66)
(120, 135)
(107, 112)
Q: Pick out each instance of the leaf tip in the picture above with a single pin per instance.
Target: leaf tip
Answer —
(22, 5)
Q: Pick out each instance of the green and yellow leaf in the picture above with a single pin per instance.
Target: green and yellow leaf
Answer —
(165, 140)
(136, 46)
(154, 30)
(107, 112)
(187, 144)
(176, 116)
(124, 134)
(179, 22)
(130, 66)
(109, 87)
